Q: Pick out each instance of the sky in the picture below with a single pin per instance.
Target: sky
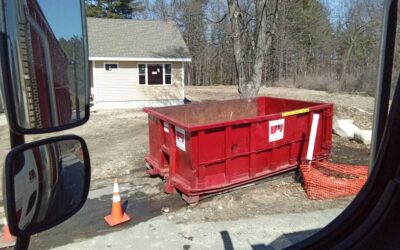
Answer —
(337, 9)
(64, 17)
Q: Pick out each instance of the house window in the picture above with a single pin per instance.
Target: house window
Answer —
(111, 66)
(142, 73)
(155, 74)
(168, 73)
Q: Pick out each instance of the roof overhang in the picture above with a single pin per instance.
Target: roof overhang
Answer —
(141, 59)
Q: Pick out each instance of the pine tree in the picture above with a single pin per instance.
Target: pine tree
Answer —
(123, 9)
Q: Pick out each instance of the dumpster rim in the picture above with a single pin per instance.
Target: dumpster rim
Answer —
(195, 128)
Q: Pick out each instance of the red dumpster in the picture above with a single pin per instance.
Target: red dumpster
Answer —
(209, 147)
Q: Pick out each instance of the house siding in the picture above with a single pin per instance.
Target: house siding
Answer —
(123, 85)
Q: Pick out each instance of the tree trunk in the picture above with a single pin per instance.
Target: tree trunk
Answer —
(235, 15)
(343, 81)
(263, 39)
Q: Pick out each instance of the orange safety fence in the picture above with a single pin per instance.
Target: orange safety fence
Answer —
(326, 180)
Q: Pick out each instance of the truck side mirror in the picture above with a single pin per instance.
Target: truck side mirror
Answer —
(46, 86)
(45, 183)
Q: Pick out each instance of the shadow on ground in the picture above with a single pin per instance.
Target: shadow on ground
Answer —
(281, 242)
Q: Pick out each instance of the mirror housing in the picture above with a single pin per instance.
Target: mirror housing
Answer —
(45, 183)
(45, 70)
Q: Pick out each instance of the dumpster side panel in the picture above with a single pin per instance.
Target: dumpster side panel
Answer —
(237, 152)
(211, 157)
(155, 135)
(211, 145)
(232, 155)
(183, 162)
(212, 175)
(285, 141)
(165, 132)
(159, 144)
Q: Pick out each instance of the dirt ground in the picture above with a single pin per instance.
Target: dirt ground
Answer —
(118, 142)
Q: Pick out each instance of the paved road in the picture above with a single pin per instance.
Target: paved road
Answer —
(265, 232)
(150, 229)
(89, 223)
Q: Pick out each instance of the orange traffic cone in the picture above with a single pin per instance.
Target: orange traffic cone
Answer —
(8, 238)
(117, 215)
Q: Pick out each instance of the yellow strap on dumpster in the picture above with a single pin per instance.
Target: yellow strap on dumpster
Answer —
(295, 112)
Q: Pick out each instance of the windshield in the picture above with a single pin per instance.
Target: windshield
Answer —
(228, 124)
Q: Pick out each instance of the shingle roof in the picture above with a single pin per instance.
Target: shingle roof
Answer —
(135, 38)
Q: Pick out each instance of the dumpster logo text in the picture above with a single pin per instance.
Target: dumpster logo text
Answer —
(180, 138)
(276, 130)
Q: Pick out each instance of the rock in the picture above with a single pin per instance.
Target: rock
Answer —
(363, 136)
(345, 128)
(220, 207)
(165, 210)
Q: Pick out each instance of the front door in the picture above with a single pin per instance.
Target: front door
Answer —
(155, 74)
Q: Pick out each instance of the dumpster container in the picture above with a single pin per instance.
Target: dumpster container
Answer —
(209, 147)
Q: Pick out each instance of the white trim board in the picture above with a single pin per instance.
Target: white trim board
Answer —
(141, 59)
(94, 73)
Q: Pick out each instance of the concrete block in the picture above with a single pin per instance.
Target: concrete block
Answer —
(363, 136)
(345, 128)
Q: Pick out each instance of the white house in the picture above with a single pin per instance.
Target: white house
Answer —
(136, 63)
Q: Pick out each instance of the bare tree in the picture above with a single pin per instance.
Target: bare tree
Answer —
(250, 43)
(358, 45)
(260, 38)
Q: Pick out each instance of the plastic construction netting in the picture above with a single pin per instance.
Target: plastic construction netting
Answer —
(327, 180)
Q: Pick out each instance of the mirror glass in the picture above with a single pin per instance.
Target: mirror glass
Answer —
(48, 60)
(49, 183)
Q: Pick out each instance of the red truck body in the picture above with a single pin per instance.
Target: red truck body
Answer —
(59, 65)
